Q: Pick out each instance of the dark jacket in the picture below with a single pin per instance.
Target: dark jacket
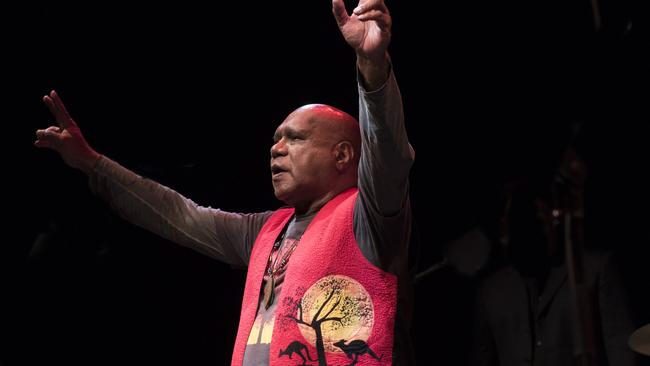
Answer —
(517, 327)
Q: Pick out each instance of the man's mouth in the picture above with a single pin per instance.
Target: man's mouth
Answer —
(276, 169)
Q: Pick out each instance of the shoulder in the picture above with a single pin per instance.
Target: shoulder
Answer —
(597, 260)
(499, 280)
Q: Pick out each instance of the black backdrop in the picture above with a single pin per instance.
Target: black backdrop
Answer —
(190, 94)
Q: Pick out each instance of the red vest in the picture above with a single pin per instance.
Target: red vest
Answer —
(335, 306)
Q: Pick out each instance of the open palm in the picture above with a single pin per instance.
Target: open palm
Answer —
(367, 29)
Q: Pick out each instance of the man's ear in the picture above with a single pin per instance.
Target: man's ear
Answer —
(343, 154)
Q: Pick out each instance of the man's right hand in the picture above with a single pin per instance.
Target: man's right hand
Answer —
(66, 138)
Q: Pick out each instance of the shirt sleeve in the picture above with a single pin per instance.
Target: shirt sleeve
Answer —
(386, 155)
(382, 211)
(225, 236)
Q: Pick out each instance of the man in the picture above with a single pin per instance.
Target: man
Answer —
(528, 312)
(327, 276)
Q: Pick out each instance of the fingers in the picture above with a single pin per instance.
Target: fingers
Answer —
(56, 112)
(55, 104)
(43, 143)
(48, 132)
(374, 10)
(49, 137)
(50, 105)
(382, 19)
(340, 14)
(366, 6)
(61, 107)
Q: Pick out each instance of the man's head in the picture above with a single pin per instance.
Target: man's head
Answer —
(314, 156)
(537, 206)
(535, 222)
(532, 225)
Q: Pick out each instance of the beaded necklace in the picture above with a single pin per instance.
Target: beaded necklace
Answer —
(273, 268)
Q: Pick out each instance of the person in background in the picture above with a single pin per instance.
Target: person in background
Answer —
(527, 313)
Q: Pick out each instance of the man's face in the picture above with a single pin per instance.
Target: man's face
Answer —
(534, 230)
(302, 159)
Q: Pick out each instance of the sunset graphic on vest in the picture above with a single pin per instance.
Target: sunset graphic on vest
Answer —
(342, 309)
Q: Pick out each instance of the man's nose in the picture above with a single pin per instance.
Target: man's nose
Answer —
(278, 149)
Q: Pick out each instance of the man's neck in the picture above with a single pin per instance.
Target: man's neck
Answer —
(307, 209)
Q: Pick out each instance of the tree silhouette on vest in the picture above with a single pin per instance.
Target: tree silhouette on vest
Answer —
(355, 349)
(296, 347)
(336, 299)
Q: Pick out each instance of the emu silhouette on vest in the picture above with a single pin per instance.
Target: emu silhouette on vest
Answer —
(355, 349)
(296, 347)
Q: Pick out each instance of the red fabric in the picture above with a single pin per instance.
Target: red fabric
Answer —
(330, 279)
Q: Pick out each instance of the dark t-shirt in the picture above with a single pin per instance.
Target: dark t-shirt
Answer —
(259, 340)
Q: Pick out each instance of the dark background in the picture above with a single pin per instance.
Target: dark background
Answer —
(190, 94)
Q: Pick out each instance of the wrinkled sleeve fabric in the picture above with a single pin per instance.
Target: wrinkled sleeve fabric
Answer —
(382, 212)
(225, 236)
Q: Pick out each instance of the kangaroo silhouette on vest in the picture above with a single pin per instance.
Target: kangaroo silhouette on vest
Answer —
(296, 347)
(355, 349)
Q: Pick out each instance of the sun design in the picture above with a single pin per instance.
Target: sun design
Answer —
(341, 306)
